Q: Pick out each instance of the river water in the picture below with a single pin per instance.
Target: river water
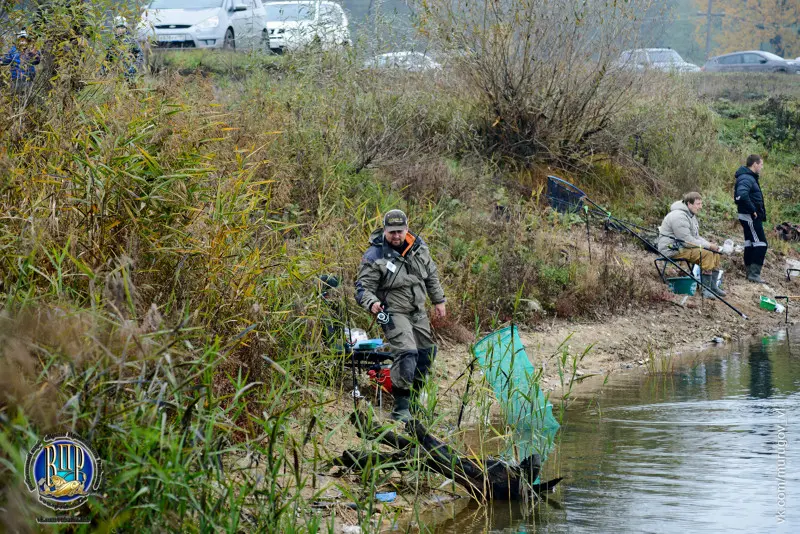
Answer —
(713, 446)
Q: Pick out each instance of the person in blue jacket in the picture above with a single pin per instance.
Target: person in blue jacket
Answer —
(22, 61)
(752, 215)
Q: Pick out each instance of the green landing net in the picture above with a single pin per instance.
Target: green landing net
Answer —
(515, 382)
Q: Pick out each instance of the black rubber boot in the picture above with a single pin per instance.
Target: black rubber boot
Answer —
(754, 273)
(400, 410)
(707, 282)
(425, 359)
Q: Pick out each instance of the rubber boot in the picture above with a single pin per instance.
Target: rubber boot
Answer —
(400, 410)
(425, 359)
(716, 277)
(754, 273)
(708, 282)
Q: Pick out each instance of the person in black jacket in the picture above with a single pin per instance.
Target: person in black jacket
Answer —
(752, 215)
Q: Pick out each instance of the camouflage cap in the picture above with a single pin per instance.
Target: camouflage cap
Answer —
(395, 220)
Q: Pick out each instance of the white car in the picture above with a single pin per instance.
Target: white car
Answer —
(410, 61)
(663, 59)
(292, 25)
(232, 24)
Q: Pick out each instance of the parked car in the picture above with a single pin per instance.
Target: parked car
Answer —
(795, 63)
(749, 61)
(228, 24)
(407, 60)
(293, 25)
(662, 59)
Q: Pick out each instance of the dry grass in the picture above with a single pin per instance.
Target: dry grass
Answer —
(160, 242)
(740, 86)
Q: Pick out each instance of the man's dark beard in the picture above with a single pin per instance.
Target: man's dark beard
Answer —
(398, 248)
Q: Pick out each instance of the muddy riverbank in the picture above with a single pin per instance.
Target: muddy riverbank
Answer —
(576, 357)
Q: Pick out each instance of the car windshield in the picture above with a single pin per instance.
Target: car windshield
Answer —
(770, 55)
(664, 56)
(283, 12)
(185, 4)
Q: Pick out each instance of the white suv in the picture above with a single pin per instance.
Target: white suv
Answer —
(292, 25)
(663, 59)
(229, 24)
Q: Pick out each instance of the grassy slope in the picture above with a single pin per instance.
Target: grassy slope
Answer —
(161, 244)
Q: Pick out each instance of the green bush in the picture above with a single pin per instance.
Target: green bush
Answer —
(778, 124)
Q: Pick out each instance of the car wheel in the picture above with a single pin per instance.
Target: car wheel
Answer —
(229, 43)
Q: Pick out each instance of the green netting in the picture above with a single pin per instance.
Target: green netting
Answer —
(515, 383)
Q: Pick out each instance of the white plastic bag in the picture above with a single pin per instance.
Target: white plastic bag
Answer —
(727, 247)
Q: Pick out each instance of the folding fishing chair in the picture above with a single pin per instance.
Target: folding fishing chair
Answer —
(662, 263)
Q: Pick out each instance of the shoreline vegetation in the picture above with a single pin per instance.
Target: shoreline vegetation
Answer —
(161, 242)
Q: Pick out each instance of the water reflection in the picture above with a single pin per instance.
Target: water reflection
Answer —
(700, 449)
(760, 372)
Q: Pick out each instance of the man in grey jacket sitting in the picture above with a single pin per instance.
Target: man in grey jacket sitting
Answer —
(679, 239)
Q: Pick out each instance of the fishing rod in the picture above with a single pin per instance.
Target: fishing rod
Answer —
(600, 210)
(604, 214)
(466, 393)
(684, 271)
(657, 233)
(627, 228)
